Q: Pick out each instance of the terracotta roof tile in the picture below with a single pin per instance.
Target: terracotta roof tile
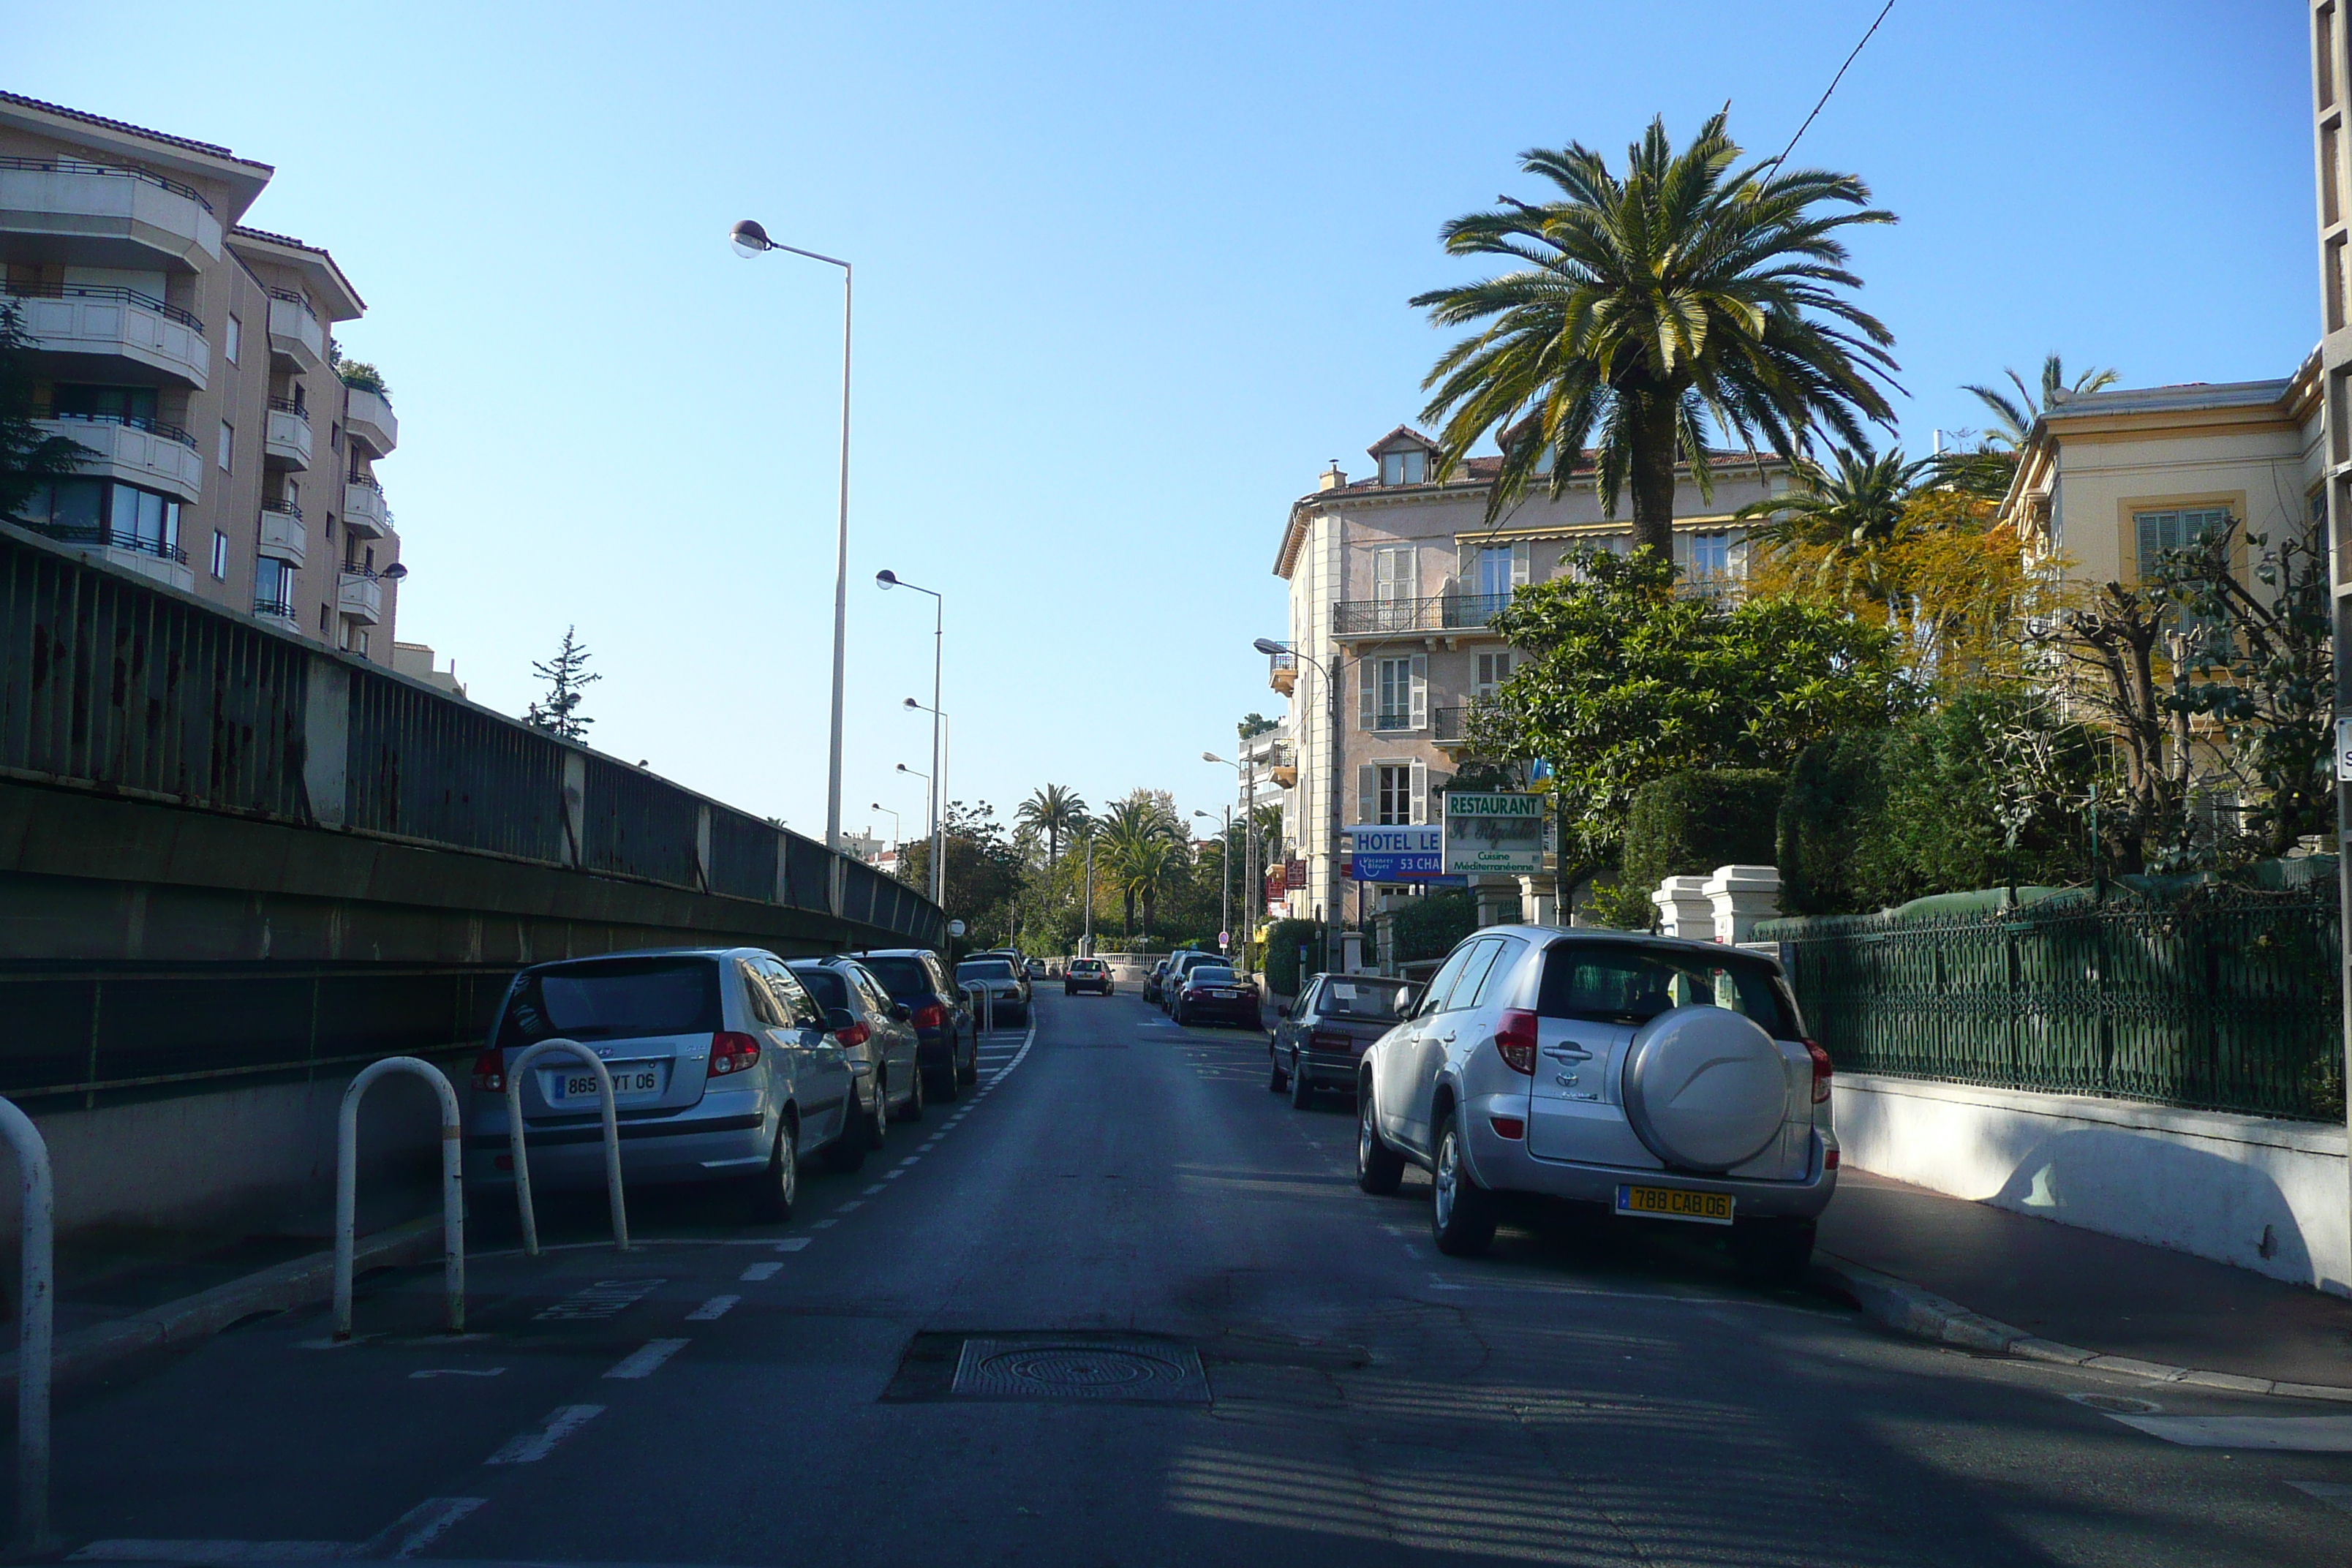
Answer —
(86, 118)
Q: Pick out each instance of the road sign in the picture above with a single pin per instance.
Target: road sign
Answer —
(1224, 939)
(955, 928)
(2344, 751)
(1493, 835)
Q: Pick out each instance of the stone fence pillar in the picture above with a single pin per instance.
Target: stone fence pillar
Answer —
(1742, 896)
(1684, 909)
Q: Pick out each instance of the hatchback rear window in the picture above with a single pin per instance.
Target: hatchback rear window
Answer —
(621, 999)
(825, 986)
(1086, 966)
(1211, 975)
(984, 969)
(1375, 999)
(902, 977)
(1625, 984)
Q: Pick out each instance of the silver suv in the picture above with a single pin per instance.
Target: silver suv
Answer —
(1664, 1079)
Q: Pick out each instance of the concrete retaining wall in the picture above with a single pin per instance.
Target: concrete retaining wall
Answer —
(2264, 1195)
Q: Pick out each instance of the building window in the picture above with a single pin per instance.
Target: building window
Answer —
(1493, 579)
(133, 406)
(322, 620)
(273, 588)
(227, 444)
(1392, 794)
(1710, 555)
(2158, 531)
(1409, 466)
(112, 516)
(220, 556)
(1493, 669)
(233, 341)
(1393, 694)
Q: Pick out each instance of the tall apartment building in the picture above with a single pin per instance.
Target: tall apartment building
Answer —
(193, 357)
(1393, 583)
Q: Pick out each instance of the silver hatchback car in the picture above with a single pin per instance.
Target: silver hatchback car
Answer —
(1660, 1079)
(723, 1068)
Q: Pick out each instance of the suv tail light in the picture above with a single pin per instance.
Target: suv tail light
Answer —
(730, 1052)
(855, 1035)
(1822, 1071)
(1515, 1040)
(932, 1015)
(491, 1071)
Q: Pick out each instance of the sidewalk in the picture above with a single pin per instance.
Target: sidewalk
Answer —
(2077, 1287)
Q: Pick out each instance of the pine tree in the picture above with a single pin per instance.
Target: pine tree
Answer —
(27, 456)
(567, 679)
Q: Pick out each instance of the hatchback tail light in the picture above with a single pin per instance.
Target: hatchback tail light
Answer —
(1822, 1071)
(1515, 1040)
(855, 1035)
(731, 1053)
(491, 1071)
(930, 1015)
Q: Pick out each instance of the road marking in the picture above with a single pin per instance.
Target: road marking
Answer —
(533, 1446)
(2286, 1434)
(460, 1372)
(419, 1528)
(793, 1244)
(892, 1175)
(761, 1272)
(857, 1202)
(907, 1160)
(2334, 1494)
(646, 1358)
(711, 1311)
(824, 1225)
(869, 1191)
(605, 1299)
(141, 1550)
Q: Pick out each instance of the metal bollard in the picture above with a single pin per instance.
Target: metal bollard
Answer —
(36, 1334)
(347, 1181)
(612, 1139)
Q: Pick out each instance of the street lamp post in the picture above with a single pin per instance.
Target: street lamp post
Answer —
(931, 794)
(1331, 858)
(940, 736)
(1252, 887)
(750, 239)
(1086, 941)
(887, 579)
(1226, 893)
(897, 834)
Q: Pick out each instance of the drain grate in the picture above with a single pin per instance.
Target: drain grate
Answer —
(1125, 1369)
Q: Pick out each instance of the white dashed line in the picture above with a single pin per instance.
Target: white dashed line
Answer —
(909, 1161)
(872, 1190)
(532, 1446)
(824, 1225)
(793, 1244)
(892, 1175)
(857, 1202)
(761, 1272)
(711, 1311)
(646, 1358)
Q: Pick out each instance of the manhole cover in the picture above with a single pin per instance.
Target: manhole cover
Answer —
(1105, 1369)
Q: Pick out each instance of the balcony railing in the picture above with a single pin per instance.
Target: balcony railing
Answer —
(289, 405)
(76, 166)
(113, 292)
(130, 421)
(284, 508)
(294, 297)
(275, 609)
(1451, 726)
(1445, 611)
(111, 539)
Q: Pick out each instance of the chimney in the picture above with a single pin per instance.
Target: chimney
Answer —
(1332, 478)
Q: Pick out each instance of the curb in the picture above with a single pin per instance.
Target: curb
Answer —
(1923, 1315)
(305, 1281)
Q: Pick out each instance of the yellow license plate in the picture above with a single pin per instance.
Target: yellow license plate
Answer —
(1674, 1203)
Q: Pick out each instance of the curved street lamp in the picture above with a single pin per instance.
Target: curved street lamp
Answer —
(1331, 861)
(885, 579)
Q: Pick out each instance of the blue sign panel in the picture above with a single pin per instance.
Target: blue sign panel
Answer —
(1398, 854)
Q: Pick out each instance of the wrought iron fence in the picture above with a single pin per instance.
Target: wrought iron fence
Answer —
(2222, 999)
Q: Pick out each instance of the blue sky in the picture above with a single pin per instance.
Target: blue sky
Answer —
(1127, 278)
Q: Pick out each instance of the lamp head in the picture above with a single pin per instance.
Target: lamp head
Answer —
(1211, 757)
(1267, 644)
(885, 578)
(748, 239)
(912, 704)
(395, 573)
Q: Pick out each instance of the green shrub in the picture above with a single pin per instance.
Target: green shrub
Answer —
(1686, 825)
(1282, 940)
(1834, 799)
(1623, 905)
(1429, 926)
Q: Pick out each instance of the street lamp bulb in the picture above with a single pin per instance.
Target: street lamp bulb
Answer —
(1211, 757)
(748, 239)
(885, 578)
(912, 704)
(1267, 644)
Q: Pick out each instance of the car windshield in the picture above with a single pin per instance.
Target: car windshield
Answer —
(984, 969)
(1211, 975)
(825, 986)
(902, 977)
(612, 999)
(1625, 984)
(1361, 998)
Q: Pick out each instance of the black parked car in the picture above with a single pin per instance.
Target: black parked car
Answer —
(1212, 991)
(947, 1043)
(1324, 1034)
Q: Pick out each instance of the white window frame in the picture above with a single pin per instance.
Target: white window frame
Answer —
(233, 340)
(227, 446)
(1393, 693)
(1388, 785)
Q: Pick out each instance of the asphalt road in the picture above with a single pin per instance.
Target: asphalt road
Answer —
(1304, 1380)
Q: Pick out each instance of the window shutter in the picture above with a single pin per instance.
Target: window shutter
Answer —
(1520, 562)
(1420, 692)
(1365, 694)
(1368, 789)
(1466, 557)
(1420, 793)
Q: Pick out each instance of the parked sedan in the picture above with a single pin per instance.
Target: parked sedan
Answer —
(879, 1036)
(1321, 1038)
(1211, 992)
(1008, 994)
(1087, 975)
(1178, 965)
(1154, 982)
(1655, 1079)
(948, 1039)
(720, 1058)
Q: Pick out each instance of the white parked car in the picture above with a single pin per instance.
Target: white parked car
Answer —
(1666, 1080)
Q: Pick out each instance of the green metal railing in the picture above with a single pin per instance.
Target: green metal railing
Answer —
(2222, 999)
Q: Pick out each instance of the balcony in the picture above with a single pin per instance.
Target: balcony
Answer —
(1450, 728)
(94, 214)
(365, 512)
(283, 537)
(1394, 617)
(143, 452)
(103, 332)
(298, 342)
(150, 557)
(286, 441)
(368, 418)
(358, 597)
(278, 613)
(1282, 672)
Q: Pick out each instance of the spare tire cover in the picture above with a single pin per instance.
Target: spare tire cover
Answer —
(1704, 1088)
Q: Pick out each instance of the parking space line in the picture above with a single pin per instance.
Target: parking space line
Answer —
(856, 1203)
(532, 1446)
(711, 1311)
(646, 1359)
(824, 1225)
(872, 1190)
(793, 1244)
(909, 1161)
(761, 1272)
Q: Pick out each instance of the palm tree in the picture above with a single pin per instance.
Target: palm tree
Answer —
(1686, 291)
(1143, 867)
(1850, 514)
(1052, 811)
(2013, 418)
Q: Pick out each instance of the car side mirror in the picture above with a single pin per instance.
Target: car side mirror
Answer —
(900, 1013)
(839, 1018)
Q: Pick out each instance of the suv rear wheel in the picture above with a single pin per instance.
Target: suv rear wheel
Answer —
(1461, 1212)
(1380, 1170)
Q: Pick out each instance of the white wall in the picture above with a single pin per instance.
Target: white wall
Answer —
(2264, 1195)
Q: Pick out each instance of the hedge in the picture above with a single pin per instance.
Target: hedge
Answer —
(1686, 825)
(1429, 926)
(1282, 940)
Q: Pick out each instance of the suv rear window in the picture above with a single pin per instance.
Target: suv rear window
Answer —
(628, 998)
(1613, 984)
(902, 977)
(984, 969)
